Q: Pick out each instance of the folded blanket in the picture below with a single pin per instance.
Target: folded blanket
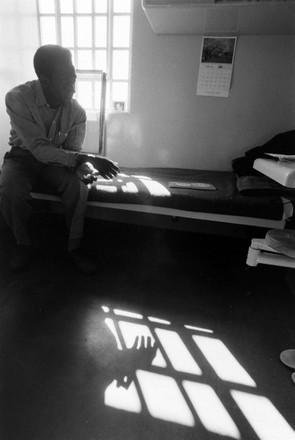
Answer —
(262, 186)
(282, 143)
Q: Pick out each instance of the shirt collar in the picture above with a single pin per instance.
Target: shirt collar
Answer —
(40, 95)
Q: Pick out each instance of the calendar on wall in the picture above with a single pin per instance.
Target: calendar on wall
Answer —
(216, 66)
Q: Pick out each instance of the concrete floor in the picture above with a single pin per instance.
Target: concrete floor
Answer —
(220, 378)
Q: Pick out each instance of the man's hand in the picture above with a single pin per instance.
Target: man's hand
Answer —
(106, 167)
(87, 173)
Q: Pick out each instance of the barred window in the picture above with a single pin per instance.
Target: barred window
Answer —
(98, 33)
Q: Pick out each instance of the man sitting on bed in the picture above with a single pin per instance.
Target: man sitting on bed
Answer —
(46, 137)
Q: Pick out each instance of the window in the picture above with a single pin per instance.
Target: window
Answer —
(98, 33)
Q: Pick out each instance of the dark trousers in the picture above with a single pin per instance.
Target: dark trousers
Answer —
(21, 173)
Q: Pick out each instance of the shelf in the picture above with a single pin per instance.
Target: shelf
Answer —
(221, 17)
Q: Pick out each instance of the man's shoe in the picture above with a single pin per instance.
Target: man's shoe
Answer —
(21, 259)
(82, 263)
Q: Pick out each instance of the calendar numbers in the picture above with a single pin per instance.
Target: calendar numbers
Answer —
(214, 80)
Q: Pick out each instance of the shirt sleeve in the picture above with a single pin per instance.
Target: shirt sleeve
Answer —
(32, 134)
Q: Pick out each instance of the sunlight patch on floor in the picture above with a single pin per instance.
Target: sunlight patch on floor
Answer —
(164, 398)
(210, 409)
(178, 354)
(159, 360)
(111, 325)
(263, 416)
(158, 320)
(128, 314)
(121, 398)
(199, 329)
(222, 361)
(131, 330)
(170, 395)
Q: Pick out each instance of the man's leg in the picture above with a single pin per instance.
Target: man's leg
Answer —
(74, 195)
(16, 180)
(15, 187)
(74, 198)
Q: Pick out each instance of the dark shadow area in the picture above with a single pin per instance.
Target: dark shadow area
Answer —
(57, 355)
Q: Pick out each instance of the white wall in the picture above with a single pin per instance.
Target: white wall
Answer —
(170, 126)
(18, 43)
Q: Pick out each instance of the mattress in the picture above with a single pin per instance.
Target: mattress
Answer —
(167, 191)
(152, 186)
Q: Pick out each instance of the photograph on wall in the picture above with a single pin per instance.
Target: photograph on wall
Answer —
(119, 106)
(216, 66)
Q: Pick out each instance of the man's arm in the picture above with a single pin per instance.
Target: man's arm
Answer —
(35, 140)
(74, 139)
(32, 134)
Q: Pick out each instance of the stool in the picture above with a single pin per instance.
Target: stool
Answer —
(287, 357)
(276, 249)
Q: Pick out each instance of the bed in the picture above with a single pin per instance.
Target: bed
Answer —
(181, 198)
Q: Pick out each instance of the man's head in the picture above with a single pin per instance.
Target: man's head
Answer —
(54, 68)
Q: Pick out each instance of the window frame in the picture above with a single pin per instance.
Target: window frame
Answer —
(112, 104)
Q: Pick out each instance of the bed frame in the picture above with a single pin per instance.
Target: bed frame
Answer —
(145, 196)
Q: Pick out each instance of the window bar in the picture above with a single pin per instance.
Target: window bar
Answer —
(75, 32)
(58, 21)
(39, 22)
(110, 52)
(101, 148)
(93, 50)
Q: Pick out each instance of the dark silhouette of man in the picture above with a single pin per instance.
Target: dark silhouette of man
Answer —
(47, 133)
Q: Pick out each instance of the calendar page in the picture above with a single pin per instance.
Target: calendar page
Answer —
(216, 66)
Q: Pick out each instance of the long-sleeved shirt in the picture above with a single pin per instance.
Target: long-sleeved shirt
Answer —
(53, 136)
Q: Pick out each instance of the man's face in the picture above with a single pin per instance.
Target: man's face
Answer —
(63, 83)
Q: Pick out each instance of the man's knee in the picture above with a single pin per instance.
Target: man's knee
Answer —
(14, 190)
(72, 182)
(15, 180)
